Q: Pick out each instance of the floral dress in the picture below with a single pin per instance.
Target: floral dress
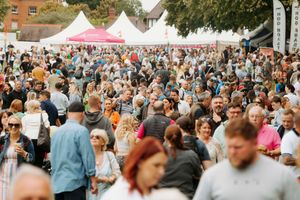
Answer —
(7, 169)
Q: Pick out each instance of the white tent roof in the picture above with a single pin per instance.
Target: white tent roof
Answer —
(79, 25)
(123, 28)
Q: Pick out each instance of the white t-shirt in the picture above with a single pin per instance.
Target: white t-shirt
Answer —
(293, 99)
(31, 124)
(289, 145)
(265, 179)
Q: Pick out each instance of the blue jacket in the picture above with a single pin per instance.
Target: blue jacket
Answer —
(25, 143)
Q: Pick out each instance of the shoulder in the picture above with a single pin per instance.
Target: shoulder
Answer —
(218, 169)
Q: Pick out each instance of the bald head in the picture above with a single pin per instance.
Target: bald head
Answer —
(256, 116)
(158, 107)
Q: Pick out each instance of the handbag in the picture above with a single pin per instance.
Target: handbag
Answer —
(43, 140)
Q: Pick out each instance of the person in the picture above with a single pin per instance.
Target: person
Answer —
(217, 116)
(61, 102)
(31, 183)
(74, 93)
(95, 119)
(181, 106)
(49, 108)
(167, 194)
(204, 133)
(278, 110)
(15, 149)
(155, 125)
(124, 103)
(31, 126)
(234, 111)
(268, 140)
(5, 95)
(200, 108)
(168, 106)
(107, 167)
(287, 122)
(289, 90)
(16, 107)
(263, 177)
(73, 166)
(147, 110)
(183, 167)
(38, 72)
(144, 167)
(125, 138)
(4, 122)
(17, 93)
(289, 145)
(113, 116)
(90, 91)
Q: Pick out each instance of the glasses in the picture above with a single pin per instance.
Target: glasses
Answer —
(10, 125)
(257, 102)
(95, 136)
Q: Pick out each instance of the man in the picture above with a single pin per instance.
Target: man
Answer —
(72, 158)
(38, 72)
(201, 108)
(234, 111)
(155, 125)
(147, 110)
(95, 119)
(246, 174)
(17, 93)
(158, 90)
(183, 91)
(157, 81)
(31, 183)
(268, 140)
(49, 107)
(61, 102)
(217, 116)
(289, 90)
(278, 110)
(38, 87)
(287, 122)
(53, 79)
(181, 106)
(124, 104)
(289, 146)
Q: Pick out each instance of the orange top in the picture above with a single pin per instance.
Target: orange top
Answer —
(38, 73)
(114, 118)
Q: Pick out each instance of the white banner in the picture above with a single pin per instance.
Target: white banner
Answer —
(279, 27)
(295, 27)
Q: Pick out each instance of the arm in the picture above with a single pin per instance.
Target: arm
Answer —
(115, 168)
(287, 159)
(141, 132)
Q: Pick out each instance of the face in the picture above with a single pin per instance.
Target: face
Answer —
(275, 106)
(287, 121)
(42, 98)
(152, 99)
(18, 86)
(32, 188)
(4, 119)
(234, 113)
(189, 100)
(217, 105)
(127, 95)
(205, 130)
(167, 104)
(97, 141)
(240, 152)
(256, 118)
(38, 87)
(152, 169)
(175, 96)
(184, 85)
(158, 79)
(108, 105)
(14, 126)
(225, 101)
(27, 85)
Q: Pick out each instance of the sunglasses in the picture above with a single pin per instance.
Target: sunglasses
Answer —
(10, 125)
(95, 136)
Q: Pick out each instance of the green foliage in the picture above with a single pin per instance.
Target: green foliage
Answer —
(131, 8)
(91, 3)
(190, 15)
(4, 7)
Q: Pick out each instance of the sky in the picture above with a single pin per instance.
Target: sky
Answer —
(148, 5)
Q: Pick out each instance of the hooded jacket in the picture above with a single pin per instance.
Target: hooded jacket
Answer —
(93, 120)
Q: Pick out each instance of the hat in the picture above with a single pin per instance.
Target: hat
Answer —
(76, 107)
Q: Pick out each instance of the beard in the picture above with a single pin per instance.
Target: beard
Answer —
(243, 163)
(219, 110)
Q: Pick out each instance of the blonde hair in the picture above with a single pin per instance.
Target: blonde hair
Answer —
(33, 106)
(102, 133)
(16, 117)
(31, 96)
(126, 125)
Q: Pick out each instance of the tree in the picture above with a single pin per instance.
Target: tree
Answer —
(190, 15)
(131, 8)
(4, 7)
(91, 3)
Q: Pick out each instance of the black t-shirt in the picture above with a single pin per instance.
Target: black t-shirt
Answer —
(26, 66)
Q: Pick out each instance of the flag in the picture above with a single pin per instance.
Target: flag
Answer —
(279, 27)
(295, 28)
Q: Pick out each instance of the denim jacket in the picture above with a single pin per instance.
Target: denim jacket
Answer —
(25, 143)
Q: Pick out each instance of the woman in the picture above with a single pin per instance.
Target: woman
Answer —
(183, 167)
(90, 91)
(197, 92)
(31, 126)
(286, 103)
(6, 91)
(15, 149)
(112, 115)
(125, 137)
(168, 106)
(4, 122)
(16, 107)
(144, 167)
(189, 100)
(203, 129)
(107, 168)
(30, 96)
(109, 91)
(74, 93)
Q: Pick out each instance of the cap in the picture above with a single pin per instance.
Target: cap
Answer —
(76, 107)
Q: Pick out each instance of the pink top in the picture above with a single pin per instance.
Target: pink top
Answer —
(141, 131)
(268, 137)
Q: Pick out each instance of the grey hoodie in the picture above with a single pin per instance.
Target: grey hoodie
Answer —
(93, 120)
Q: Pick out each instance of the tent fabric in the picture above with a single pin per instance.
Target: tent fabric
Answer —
(123, 28)
(79, 25)
(96, 35)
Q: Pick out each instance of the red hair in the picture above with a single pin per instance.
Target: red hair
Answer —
(148, 147)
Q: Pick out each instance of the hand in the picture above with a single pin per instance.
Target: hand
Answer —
(103, 179)
(262, 149)
(94, 188)
(20, 151)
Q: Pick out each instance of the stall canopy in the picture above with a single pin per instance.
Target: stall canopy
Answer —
(96, 35)
(80, 24)
(123, 28)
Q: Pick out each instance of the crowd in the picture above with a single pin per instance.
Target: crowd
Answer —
(149, 123)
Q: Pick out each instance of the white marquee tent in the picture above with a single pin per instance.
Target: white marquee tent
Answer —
(123, 28)
(79, 25)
